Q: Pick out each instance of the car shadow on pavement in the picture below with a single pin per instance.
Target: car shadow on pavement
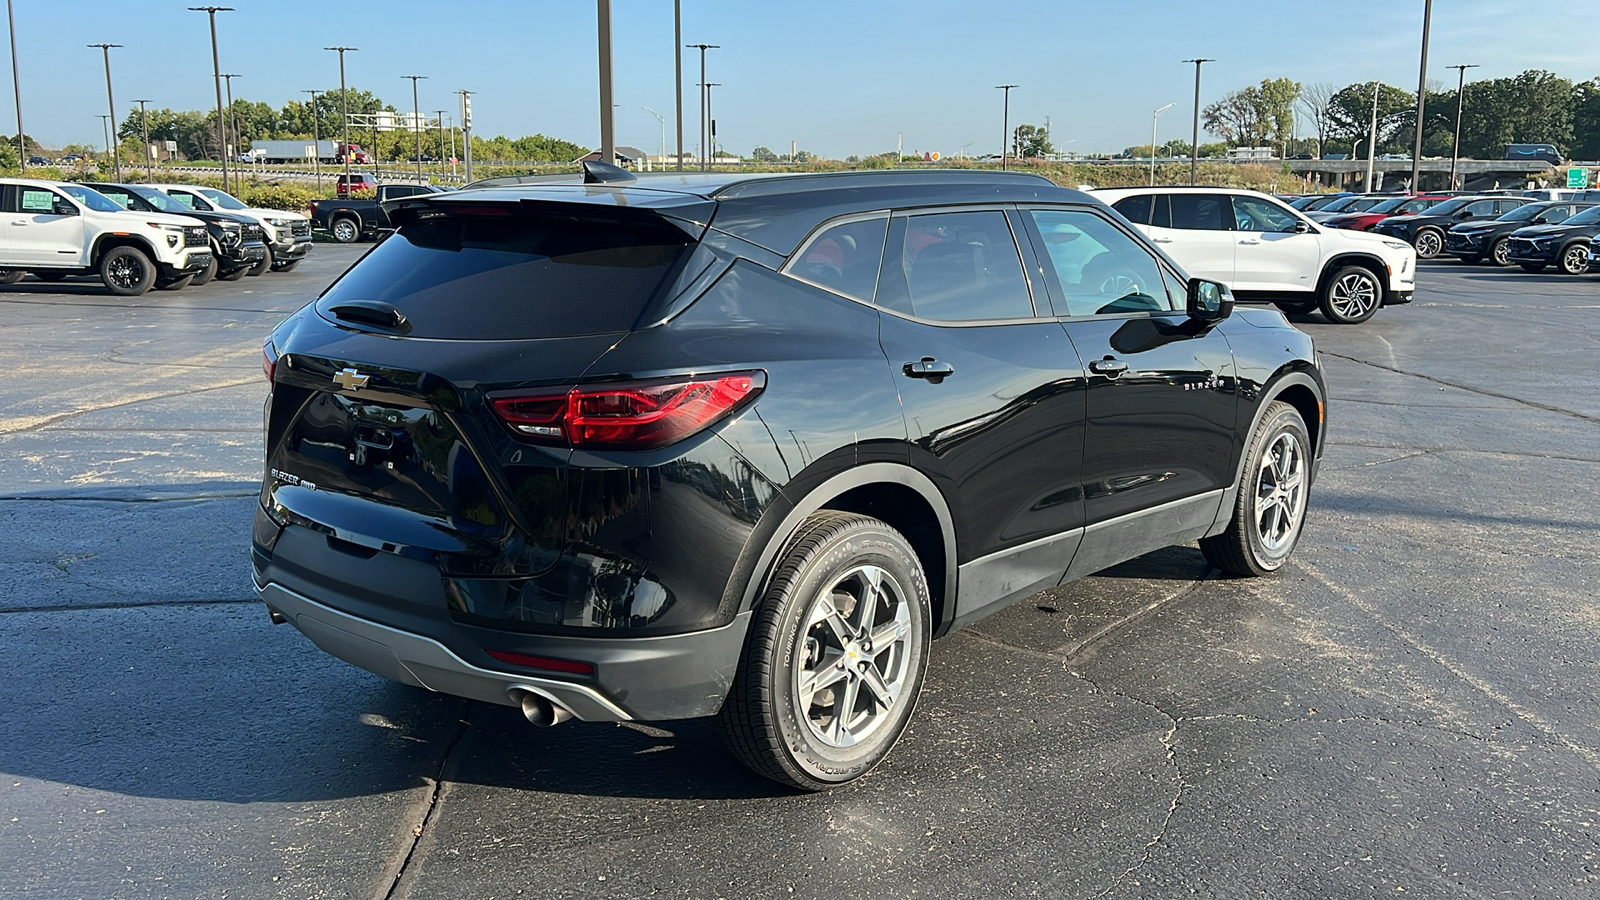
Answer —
(1166, 564)
(85, 287)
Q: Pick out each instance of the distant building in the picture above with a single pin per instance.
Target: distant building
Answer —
(1253, 153)
(627, 158)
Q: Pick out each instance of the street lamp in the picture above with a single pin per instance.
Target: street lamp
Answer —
(677, 67)
(344, 113)
(663, 120)
(233, 122)
(1194, 154)
(1153, 117)
(144, 129)
(1461, 101)
(1005, 122)
(111, 104)
(316, 139)
(445, 155)
(16, 86)
(1422, 96)
(608, 114)
(106, 129)
(416, 120)
(704, 101)
(216, 75)
(711, 121)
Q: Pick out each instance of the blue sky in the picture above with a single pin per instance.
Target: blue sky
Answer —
(837, 77)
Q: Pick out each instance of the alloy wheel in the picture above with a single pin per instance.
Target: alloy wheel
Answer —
(1575, 260)
(855, 656)
(1501, 253)
(1280, 493)
(1428, 244)
(126, 272)
(1354, 296)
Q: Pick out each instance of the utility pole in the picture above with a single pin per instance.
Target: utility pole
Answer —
(703, 100)
(233, 124)
(316, 139)
(16, 87)
(1372, 136)
(1194, 153)
(416, 120)
(1005, 122)
(1461, 102)
(107, 131)
(216, 75)
(608, 115)
(677, 67)
(1153, 117)
(1422, 97)
(111, 104)
(144, 129)
(466, 136)
(444, 152)
(711, 121)
(344, 113)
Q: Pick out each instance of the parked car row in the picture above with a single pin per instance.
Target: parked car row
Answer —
(135, 237)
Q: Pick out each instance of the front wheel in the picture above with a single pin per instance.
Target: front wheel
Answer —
(835, 655)
(1270, 510)
(1500, 253)
(1575, 259)
(346, 230)
(1428, 243)
(1351, 296)
(11, 276)
(126, 271)
(261, 267)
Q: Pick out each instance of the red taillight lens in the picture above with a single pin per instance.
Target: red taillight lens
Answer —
(571, 667)
(630, 416)
(269, 359)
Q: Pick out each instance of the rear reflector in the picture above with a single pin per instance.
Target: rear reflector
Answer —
(571, 667)
(639, 415)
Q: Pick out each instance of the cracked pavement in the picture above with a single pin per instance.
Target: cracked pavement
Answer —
(1408, 707)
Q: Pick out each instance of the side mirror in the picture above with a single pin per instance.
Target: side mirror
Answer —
(1209, 301)
(1464, 214)
(63, 208)
(1301, 226)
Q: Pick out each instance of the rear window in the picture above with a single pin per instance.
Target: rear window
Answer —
(477, 277)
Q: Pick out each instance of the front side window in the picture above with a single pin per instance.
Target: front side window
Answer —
(955, 267)
(36, 200)
(91, 198)
(844, 257)
(189, 200)
(1101, 271)
(1481, 208)
(1256, 214)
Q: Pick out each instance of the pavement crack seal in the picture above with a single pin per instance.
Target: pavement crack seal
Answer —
(464, 723)
(132, 604)
(1548, 729)
(33, 423)
(1462, 387)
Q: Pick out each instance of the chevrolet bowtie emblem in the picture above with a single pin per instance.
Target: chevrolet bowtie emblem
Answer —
(351, 380)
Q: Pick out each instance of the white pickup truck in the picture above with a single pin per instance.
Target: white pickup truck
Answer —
(288, 234)
(57, 229)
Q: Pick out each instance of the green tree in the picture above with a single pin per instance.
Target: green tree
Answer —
(1031, 140)
(1536, 107)
(1350, 114)
(763, 155)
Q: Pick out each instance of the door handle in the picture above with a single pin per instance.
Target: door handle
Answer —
(931, 369)
(1110, 366)
(1161, 240)
(1250, 242)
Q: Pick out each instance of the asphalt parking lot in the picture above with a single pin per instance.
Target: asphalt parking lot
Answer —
(1407, 709)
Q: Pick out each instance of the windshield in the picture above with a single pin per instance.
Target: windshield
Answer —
(1450, 206)
(1523, 213)
(159, 200)
(1339, 204)
(1389, 205)
(1587, 217)
(93, 199)
(1361, 204)
(219, 198)
(1321, 203)
(1303, 202)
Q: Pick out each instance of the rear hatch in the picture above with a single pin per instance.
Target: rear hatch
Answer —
(379, 431)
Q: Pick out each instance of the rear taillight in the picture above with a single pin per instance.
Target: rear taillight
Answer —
(638, 415)
(269, 359)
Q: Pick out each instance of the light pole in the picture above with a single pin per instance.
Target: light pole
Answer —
(1461, 102)
(608, 114)
(1005, 122)
(677, 67)
(144, 129)
(1372, 137)
(663, 120)
(233, 122)
(466, 136)
(703, 101)
(344, 113)
(216, 75)
(444, 154)
(1153, 117)
(111, 103)
(16, 87)
(416, 120)
(107, 130)
(711, 124)
(1194, 153)
(316, 139)
(1422, 96)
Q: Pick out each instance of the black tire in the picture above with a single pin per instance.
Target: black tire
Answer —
(50, 276)
(1429, 243)
(285, 266)
(1533, 267)
(234, 275)
(1351, 295)
(209, 272)
(1500, 253)
(812, 602)
(1244, 549)
(126, 271)
(173, 284)
(1574, 258)
(346, 230)
(11, 276)
(261, 267)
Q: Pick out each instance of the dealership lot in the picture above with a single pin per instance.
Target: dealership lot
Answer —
(1408, 707)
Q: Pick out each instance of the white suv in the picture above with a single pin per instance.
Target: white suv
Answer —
(1269, 252)
(56, 229)
(288, 234)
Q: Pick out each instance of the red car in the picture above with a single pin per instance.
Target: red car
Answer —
(1398, 206)
(360, 182)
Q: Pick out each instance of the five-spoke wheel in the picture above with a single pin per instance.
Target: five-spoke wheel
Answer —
(1270, 509)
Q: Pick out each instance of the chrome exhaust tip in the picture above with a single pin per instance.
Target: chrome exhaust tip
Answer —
(539, 709)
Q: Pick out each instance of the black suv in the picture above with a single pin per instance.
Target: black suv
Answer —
(237, 242)
(1566, 244)
(1426, 230)
(742, 445)
(1477, 240)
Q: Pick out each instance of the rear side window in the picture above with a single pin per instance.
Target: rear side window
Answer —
(1200, 212)
(517, 277)
(844, 258)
